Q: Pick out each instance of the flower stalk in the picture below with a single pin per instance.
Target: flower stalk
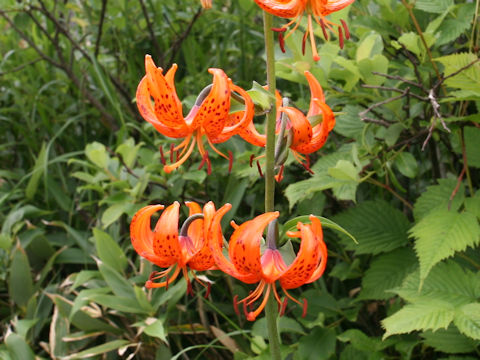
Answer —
(271, 308)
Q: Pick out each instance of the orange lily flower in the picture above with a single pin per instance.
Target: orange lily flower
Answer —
(206, 4)
(166, 248)
(209, 116)
(249, 265)
(305, 138)
(316, 9)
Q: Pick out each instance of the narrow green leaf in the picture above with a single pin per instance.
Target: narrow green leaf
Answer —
(109, 251)
(18, 347)
(37, 172)
(98, 350)
(440, 234)
(115, 280)
(113, 213)
(20, 284)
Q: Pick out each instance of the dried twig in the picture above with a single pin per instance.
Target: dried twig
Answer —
(100, 27)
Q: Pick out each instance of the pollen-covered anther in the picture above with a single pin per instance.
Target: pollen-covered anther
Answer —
(230, 161)
(259, 168)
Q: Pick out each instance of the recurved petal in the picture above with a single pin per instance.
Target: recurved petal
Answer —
(166, 101)
(145, 107)
(165, 242)
(320, 131)
(316, 92)
(317, 230)
(301, 128)
(214, 110)
(244, 246)
(142, 236)
(283, 8)
(331, 6)
(203, 259)
(252, 136)
(304, 265)
(215, 239)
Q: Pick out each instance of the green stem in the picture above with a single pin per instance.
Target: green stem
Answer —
(271, 309)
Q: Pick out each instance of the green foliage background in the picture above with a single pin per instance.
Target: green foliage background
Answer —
(77, 161)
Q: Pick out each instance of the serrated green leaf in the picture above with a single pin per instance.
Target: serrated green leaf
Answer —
(451, 29)
(344, 170)
(472, 139)
(433, 6)
(449, 341)
(109, 251)
(472, 204)
(467, 79)
(305, 189)
(438, 197)
(440, 234)
(376, 225)
(318, 345)
(386, 272)
(348, 123)
(467, 320)
(422, 315)
(447, 281)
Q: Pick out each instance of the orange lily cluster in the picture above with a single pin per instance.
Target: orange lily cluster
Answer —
(210, 116)
(198, 247)
(305, 138)
(316, 9)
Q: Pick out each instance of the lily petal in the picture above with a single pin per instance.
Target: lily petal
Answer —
(244, 248)
(216, 239)
(282, 8)
(165, 241)
(317, 230)
(301, 128)
(316, 92)
(142, 236)
(203, 259)
(304, 265)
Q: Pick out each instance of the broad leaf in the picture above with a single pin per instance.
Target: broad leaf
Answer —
(467, 320)
(377, 226)
(449, 341)
(440, 234)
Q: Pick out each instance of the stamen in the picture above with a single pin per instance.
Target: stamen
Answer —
(209, 164)
(284, 306)
(235, 305)
(162, 156)
(340, 37)
(172, 148)
(281, 42)
(324, 30)
(164, 274)
(215, 149)
(171, 167)
(166, 283)
(209, 289)
(279, 176)
(305, 306)
(259, 169)
(230, 161)
(345, 27)
(251, 316)
(279, 30)
(177, 156)
(304, 40)
(316, 57)
(204, 157)
(251, 159)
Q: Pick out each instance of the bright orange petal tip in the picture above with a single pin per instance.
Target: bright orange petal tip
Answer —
(209, 118)
(248, 264)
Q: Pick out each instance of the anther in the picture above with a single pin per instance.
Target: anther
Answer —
(324, 29)
(284, 306)
(209, 288)
(230, 161)
(162, 156)
(172, 147)
(345, 27)
(259, 169)
(251, 159)
(235, 305)
(340, 37)
(304, 41)
(281, 42)
(166, 282)
(305, 306)
(279, 176)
